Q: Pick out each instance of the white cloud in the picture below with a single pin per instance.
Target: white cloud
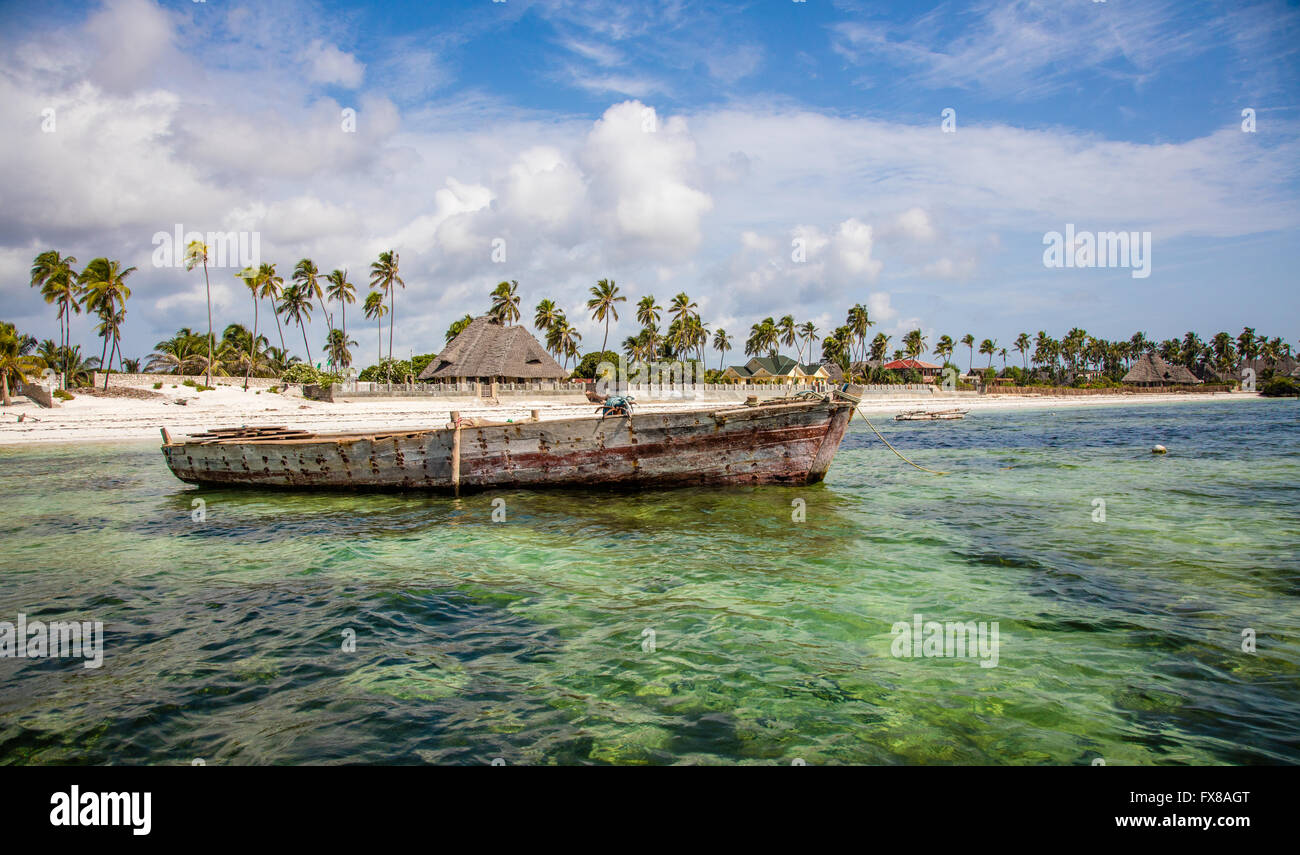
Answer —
(325, 63)
(947, 268)
(1026, 49)
(639, 167)
(915, 224)
(132, 40)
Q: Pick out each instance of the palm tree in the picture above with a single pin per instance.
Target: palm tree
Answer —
(879, 346)
(603, 305)
(1003, 353)
(570, 342)
(374, 308)
(699, 334)
(176, 355)
(1022, 347)
(763, 336)
(915, 343)
(647, 315)
(807, 337)
(1138, 345)
(682, 307)
(969, 341)
(104, 282)
(344, 292)
(1225, 355)
(787, 331)
(252, 281)
(721, 343)
(943, 348)
(385, 275)
(337, 344)
(16, 362)
(1193, 348)
(1248, 344)
(278, 360)
(505, 303)
(53, 274)
(989, 346)
(547, 314)
(295, 302)
(307, 277)
(638, 347)
(562, 339)
(458, 326)
(241, 350)
(1072, 346)
(110, 327)
(835, 347)
(859, 322)
(195, 254)
(271, 284)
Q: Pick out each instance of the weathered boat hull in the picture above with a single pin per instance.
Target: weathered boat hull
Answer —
(786, 443)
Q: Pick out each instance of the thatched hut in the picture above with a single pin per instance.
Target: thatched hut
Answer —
(1151, 370)
(486, 351)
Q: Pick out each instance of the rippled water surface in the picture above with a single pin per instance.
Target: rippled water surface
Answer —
(693, 626)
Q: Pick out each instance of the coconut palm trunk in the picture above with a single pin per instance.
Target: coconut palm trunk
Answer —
(103, 354)
(303, 327)
(207, 284)
(253, 348)
(109, 368)
(279, 329)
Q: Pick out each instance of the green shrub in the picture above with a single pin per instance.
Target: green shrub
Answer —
(586, 369)
(389, 371)
(301, 374)
(158, 385)
(63, 395)
(1281, 387)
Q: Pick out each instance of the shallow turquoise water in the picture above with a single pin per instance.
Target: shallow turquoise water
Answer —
(526, 639)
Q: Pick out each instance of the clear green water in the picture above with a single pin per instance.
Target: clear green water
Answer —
(523, 639)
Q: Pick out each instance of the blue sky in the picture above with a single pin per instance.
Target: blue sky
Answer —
(769, 123)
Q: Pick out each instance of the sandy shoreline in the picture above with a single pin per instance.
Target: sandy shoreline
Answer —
(90, 419)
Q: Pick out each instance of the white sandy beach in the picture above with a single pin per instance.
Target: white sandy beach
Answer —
(94, 419)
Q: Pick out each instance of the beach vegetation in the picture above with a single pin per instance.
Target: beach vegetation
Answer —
(1281, 387)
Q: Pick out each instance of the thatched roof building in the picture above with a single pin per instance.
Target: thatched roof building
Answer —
(1151, 370)
(487, 351)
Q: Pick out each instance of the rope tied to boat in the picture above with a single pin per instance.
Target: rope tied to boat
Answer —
(857, 411)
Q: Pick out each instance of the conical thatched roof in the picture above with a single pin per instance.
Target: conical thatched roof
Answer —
(485, 350)
(1151, 370)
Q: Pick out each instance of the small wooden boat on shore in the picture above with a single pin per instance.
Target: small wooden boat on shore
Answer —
(930, 416)
(783, 441)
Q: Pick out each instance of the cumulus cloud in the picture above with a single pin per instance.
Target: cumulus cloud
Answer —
(325, 63)
(915, 224)
(640, 169)
(132, 40)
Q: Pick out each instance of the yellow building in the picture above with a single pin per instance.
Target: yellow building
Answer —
(776, 369)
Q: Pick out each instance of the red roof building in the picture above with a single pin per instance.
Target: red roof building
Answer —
(918, 364)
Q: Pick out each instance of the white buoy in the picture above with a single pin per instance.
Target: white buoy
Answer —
(1159, 449)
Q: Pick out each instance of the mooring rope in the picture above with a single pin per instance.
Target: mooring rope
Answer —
(857, 411)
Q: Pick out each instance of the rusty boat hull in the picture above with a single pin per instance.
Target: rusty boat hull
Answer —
(789, 442)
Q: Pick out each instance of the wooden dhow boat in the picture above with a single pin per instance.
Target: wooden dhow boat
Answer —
(781, 441)
(930, 416)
